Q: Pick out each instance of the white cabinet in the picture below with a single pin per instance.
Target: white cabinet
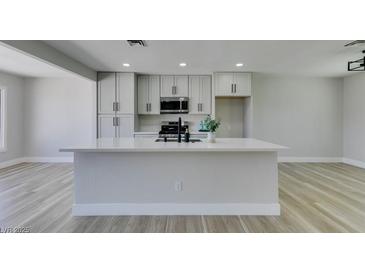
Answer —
(242, 82)
(106, 92)
(232, 84)
(116, 104)
(106, 126)
(200, 91)
(223, 83)
(174, 86)
(116, 93)
(110, 126)
(125, 126)
(149, 94)
(125, 93)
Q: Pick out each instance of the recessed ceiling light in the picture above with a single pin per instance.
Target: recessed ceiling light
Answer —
(239, 65)
(182, 64)
(126, 65)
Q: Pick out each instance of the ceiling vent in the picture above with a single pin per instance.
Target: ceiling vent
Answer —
(140, 43)
(359, 64)
(355, 43)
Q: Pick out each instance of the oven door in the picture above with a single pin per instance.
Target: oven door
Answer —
(174, 105)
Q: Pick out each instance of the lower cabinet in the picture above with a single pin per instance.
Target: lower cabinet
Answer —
(111, 126)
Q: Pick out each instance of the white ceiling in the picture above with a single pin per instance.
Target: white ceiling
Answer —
(18, 63)
(309, 58)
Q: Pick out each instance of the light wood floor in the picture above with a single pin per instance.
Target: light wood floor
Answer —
(313, 197)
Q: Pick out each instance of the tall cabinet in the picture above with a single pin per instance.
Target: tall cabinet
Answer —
(148, 94)
(116, 104)
(200, 90)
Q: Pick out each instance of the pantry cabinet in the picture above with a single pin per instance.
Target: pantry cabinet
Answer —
(116, 95)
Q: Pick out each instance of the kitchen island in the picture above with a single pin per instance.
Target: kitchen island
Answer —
(128, 176)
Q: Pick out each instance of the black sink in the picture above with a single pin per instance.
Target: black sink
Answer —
(175, 140)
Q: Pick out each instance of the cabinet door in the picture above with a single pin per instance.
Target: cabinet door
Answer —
(182, 86)
(243, 84)
(167, 82)
(106, 129)
(106, 92)
(205, 94)
(194, 95)
(154, 94)
(125, 126)
(125, 93)
(143, 94)
(223, 83)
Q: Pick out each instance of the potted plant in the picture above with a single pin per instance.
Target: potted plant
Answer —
(211, 125)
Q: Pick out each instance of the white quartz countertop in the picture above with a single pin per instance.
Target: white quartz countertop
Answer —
(149, 145)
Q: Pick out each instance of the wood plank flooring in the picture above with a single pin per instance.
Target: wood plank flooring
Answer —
(314, 198)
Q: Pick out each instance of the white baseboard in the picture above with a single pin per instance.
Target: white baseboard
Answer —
(353, 162)
(175, 209)
(12, 162)
(49, 159)
(310, 159)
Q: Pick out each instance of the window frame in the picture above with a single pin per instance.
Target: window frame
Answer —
(3, 120)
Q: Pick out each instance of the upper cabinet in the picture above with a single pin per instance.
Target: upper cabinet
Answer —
(116, 93)
(174, 86)
(106, 92)
(148, 94)
(200, 91)
(232, 84)
(125, 93)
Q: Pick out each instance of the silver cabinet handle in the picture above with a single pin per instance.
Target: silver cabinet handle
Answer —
(235, 88)
(198, 107)
(150, 107)
(117, 106)
(114, 107)
(114, 123)
(231, 88)
(201, 107)
(146, 107)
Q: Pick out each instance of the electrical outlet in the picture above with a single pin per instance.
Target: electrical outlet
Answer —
(178, 186)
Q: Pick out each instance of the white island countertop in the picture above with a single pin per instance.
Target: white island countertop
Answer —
(149, 145)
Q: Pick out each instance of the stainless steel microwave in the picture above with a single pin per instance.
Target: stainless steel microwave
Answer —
(174, 105)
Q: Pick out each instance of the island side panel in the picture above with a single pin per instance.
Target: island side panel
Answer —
(130, 182)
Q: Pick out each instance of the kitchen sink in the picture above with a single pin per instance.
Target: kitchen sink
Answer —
(193, 140)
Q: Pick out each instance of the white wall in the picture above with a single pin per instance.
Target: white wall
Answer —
(302, 113)
(354, 117)
(58, 112)
(14, 86)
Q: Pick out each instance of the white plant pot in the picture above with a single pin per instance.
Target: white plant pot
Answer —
(211, 137)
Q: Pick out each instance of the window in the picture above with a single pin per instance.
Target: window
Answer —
(2, 120)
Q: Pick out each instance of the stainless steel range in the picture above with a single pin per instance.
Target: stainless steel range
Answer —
(170, 132)
(169, 129)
